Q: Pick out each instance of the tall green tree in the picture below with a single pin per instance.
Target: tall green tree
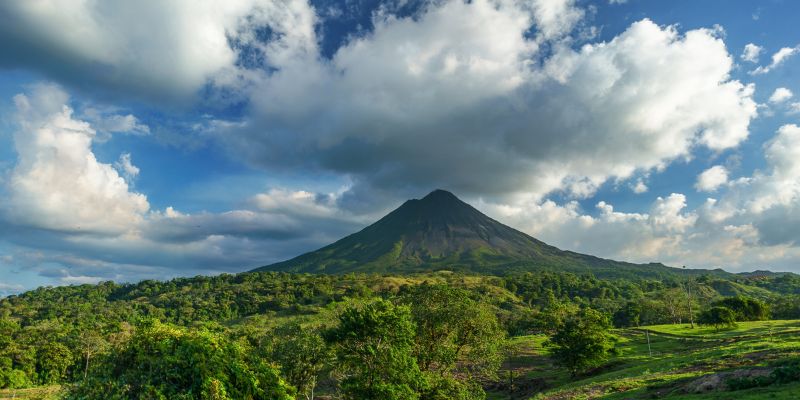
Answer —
(374, 345)
(582, 341)
(302, 355)
(458, 340)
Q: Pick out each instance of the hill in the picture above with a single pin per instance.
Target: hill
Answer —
(441, 232)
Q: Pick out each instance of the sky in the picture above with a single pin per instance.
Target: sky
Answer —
(155, 139)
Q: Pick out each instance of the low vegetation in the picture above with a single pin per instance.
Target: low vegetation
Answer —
(436, 335)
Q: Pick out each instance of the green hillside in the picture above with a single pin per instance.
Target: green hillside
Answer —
(441, 232)
(78, 342)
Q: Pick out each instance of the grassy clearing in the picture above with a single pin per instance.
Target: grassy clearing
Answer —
(682, 361)
(41, 393)
(744, 329)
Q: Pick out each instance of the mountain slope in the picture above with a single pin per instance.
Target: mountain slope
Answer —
(440, 231)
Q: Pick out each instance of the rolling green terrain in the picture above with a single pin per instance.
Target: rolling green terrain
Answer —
(64, 335)
(441, 232)
(680, 363)
(435, 301)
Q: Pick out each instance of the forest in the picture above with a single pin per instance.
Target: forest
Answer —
(434, 335)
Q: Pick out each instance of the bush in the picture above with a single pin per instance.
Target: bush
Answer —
(783, 374)
(166, 362)
(582, 341)
(745, 308)
(718, 317)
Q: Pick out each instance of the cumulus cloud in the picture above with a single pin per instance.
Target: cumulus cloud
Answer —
(107, 122)
(657, 235)
(75, 219)
(464, 93)
(640, 187)
(769, 199)
(711, 179)
(126, 167)
(669, 232)
(751, 52)
(780, 95)
(103, 44)
(777, 60)
(486, 98)
(58, 183)
(555, 18)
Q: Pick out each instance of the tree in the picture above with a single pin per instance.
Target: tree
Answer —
(582, 341)
(628, 315)
(719, 317)
(52, 361)
(456, 337)
(373, 343)
(745, 308)
(166, 362)
(302, 354)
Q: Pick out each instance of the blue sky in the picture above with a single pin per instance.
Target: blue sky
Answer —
(161, 139)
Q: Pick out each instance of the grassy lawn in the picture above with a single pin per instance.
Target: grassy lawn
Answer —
(681, 357)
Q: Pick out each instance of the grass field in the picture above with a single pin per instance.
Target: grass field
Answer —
(680, 363)
(42, 393)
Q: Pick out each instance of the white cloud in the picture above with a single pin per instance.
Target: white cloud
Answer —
(555, 18)
(184, 46)
(107, 122)
(780, 95)
(126, 167)
(9, 289)
(463, 77)
(74, 219)
(668, 232)
(751, 52)
(57, 182)
(640, 187)
(711, 179)
(782, 185)
(777, 59)
(794, 108)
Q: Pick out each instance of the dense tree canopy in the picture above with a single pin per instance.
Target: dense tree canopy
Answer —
(457, 322)
(166, 362)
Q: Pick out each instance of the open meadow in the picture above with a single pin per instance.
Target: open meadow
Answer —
(679, 363)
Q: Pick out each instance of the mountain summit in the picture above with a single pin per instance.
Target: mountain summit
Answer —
(441, 232)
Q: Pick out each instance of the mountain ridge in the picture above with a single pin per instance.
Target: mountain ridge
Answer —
(442, 232)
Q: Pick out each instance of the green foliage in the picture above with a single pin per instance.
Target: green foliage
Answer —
(166, 362)
(374, 349)
(456, 336)
(718, 317)
(91, 321)
(628, 315)
(582, 341)
(780, 375)
(52, 361)
(302, 355)
(745, 308)
(786, 307)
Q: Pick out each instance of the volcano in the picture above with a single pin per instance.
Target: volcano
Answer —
(441, 232)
